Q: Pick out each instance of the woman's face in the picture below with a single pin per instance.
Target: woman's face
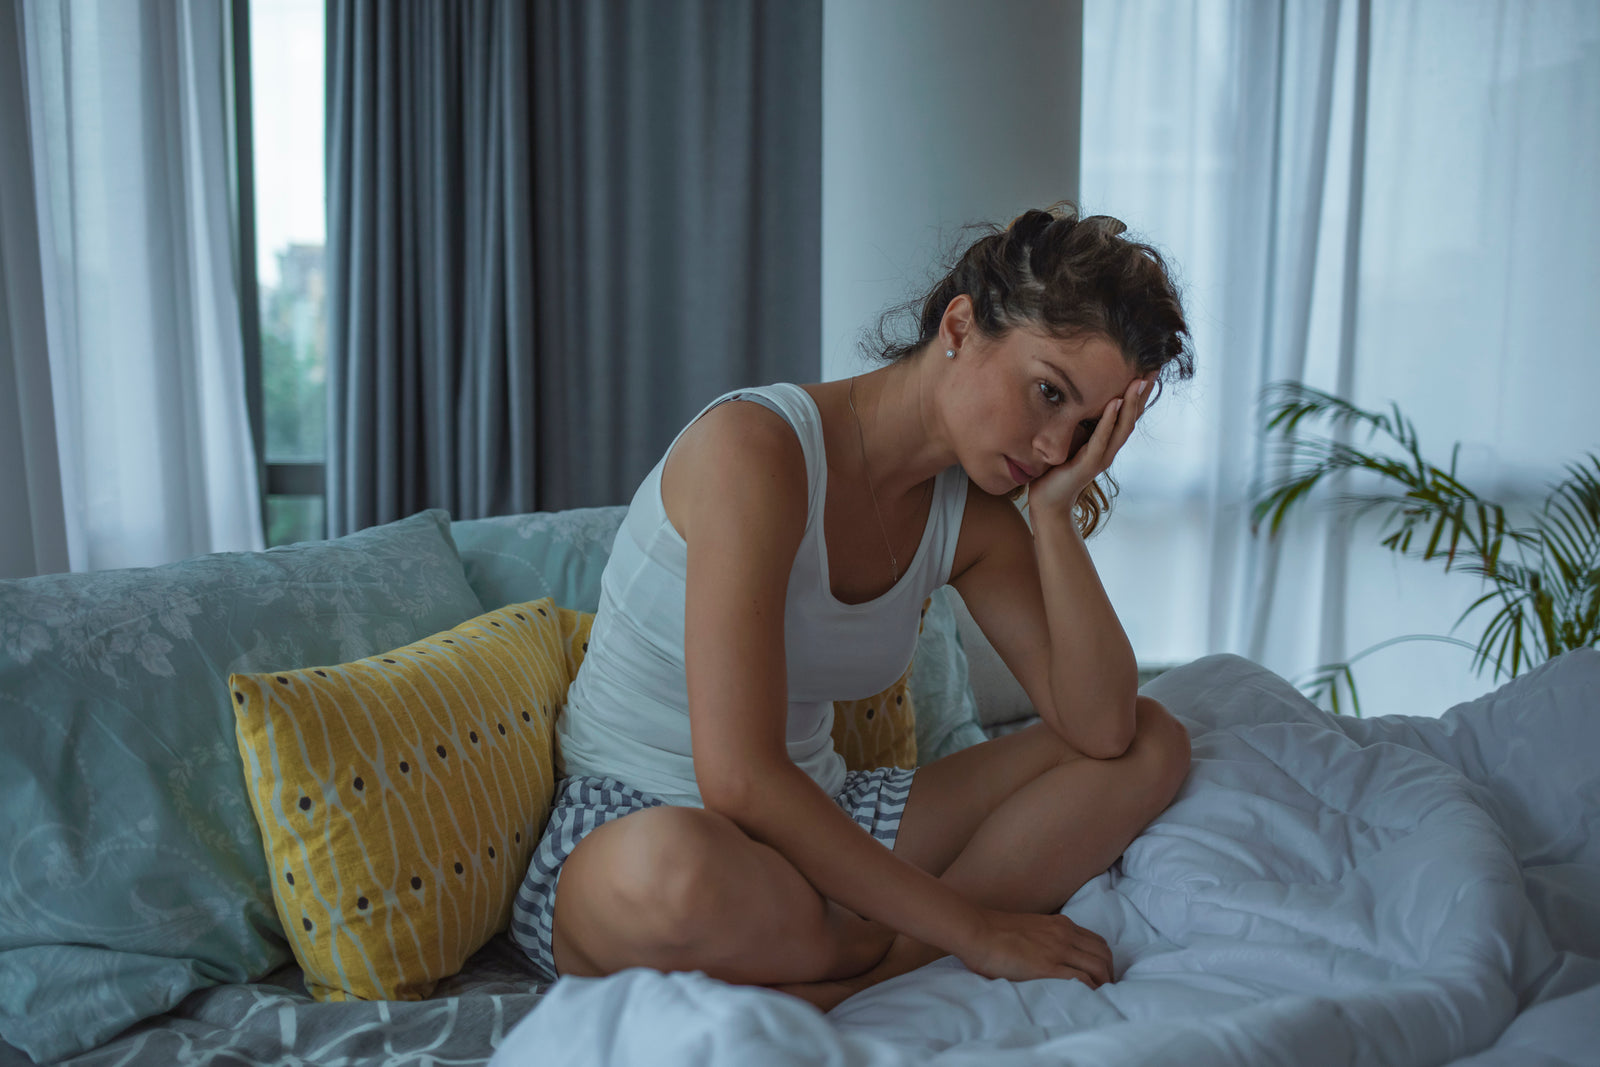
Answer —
(1027, 402)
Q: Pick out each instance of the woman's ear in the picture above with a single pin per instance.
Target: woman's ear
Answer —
(956, 327)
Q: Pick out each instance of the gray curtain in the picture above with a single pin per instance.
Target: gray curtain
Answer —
(33, 529)
(555, 230)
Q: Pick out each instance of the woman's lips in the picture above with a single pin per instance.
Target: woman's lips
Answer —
(1019, 474)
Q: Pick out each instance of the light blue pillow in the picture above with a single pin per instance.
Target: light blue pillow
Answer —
(133, 869)
(558, 554)
(941, 693)
(562, 554)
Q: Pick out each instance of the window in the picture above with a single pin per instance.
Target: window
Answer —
(281, 164)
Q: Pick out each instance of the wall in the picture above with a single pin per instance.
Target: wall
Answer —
(935, 113)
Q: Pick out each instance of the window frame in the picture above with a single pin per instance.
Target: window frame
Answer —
(273, 479)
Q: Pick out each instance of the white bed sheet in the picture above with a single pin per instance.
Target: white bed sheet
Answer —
(1402, 890)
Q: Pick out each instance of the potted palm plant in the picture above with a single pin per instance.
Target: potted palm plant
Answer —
(1541, 579)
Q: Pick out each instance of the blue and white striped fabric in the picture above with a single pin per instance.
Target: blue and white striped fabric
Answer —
(875, 799)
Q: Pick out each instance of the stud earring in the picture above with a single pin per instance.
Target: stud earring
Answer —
(949, 353)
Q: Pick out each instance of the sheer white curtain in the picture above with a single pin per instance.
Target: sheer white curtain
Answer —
(1387, 199)
(123, 325)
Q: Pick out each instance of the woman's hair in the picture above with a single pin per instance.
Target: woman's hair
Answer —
(1066, 277)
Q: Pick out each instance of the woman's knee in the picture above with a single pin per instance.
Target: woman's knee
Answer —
(1161, 743)
(683, 890)
(664, 878)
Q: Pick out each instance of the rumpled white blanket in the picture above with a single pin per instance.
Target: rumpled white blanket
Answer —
(1402, 890)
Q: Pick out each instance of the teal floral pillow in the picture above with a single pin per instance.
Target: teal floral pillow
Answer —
(941, 693)
(558, 554)
(131, 869)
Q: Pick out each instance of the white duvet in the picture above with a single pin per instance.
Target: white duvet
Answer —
(1324, 890)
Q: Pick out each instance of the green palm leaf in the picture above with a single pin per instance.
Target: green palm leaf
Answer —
(1543, 579)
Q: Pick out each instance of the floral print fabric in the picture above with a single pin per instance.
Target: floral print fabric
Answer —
(131, 868)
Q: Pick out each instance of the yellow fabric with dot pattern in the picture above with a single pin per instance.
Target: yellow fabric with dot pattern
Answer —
(880, 731)
(400, 796)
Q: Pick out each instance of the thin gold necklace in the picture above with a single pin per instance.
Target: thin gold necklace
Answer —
(861, 437)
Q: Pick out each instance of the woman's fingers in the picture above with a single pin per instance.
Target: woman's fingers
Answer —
(1086, 979)
(1097, 453)
(1090, 953)
(1124, 417)
(1093, 942)
(1040, 946)
(1081, 950)
(1091, 963)
(1098, 967)
(1115, 426)
(1131, 408)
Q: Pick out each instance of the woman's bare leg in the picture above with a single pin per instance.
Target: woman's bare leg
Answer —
(1042, 841)
(685, 889)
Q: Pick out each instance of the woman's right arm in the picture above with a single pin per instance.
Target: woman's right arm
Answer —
(735, 487)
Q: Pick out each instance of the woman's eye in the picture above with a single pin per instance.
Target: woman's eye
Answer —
(1089, 425)
(1050, 393)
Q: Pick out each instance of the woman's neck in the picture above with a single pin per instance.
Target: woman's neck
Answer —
(900, 430)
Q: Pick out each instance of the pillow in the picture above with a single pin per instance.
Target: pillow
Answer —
(947, 713)
(879, 731)
(400, 796)
(134, 871)
(558, 554)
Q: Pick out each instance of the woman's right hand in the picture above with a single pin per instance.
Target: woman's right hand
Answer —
(1022, 946)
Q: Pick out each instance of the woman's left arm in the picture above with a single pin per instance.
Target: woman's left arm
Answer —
(1039, 601)
(1093, 675)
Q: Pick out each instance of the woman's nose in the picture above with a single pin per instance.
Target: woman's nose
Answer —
(1054, 445)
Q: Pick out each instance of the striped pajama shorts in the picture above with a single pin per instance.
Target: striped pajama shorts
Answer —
(874, 799)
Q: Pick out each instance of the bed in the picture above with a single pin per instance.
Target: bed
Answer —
(1403, 890)
(1400, 890)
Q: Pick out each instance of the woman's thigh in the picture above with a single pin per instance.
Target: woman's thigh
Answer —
(685, 889)
(950, 798)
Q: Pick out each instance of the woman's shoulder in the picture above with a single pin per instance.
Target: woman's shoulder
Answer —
(743, 450)
(738, 427)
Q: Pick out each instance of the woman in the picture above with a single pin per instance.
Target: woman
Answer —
(776, 560)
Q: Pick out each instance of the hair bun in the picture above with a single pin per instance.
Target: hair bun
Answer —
(1026, 227)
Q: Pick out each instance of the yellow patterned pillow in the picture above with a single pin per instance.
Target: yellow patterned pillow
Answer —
(880, 731)
(400, 796)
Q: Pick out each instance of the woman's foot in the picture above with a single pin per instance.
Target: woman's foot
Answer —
(861, 944)
(904, 955)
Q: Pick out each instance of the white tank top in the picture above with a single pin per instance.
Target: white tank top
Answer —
(627, 713)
